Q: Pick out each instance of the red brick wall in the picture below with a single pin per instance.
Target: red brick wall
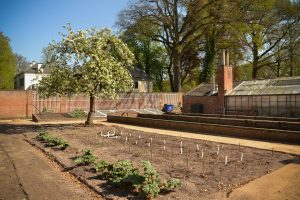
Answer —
(15, 104)
(21, 104)
(210, 104)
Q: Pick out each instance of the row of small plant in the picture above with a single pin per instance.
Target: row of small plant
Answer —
(52, 141)
(147, 183)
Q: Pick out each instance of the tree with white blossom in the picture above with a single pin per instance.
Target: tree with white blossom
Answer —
(93, 62)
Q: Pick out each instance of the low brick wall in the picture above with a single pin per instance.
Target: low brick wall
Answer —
(211, 104)
(224, 130)
(282, 125)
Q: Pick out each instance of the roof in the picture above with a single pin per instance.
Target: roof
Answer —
(205, 89)
(284, 85)
(31, 70)
(139, 75)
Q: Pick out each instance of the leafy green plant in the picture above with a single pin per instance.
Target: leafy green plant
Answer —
(172, 184)
(77, 113)
(43, 137)
(147, 184)
(52, 141)
(46, 110)
(86, 158)
(102, 166)
(119, 172)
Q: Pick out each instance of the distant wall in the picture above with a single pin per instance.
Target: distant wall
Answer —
(22, 104)
(15, 104)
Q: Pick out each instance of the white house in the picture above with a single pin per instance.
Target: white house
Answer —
(28, 78)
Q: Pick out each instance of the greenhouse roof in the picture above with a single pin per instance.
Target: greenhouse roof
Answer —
(277, 86)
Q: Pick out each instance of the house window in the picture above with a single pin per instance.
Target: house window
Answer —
(136, 84)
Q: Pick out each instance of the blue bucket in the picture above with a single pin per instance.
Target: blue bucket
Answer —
(169, 107)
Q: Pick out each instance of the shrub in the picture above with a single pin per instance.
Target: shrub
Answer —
(46, 110)
(77, 113)
(86, 158)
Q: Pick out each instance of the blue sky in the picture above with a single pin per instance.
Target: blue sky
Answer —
(32, 24)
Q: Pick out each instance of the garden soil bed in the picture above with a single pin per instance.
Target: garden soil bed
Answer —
(48, 116)
(217, 181)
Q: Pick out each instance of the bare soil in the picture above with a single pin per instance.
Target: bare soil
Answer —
(207, 178)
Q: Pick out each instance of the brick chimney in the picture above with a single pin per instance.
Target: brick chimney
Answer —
(225, 78)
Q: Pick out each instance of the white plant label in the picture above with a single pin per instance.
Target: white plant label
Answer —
(126, 139)
(130, 134)
(136, 142)
(180, 143)
(164, 141)
(242, 157)
(225, 160)
(139, 136)
(149, 144)
(181, 150)
(164, 147)
(202, 154)
(197, 147)
(107, 134)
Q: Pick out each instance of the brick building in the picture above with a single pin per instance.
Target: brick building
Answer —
(271, 97)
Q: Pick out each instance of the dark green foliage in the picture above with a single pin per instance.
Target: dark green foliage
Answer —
(52, 141)
(7, 64)
(77, 113)
(86, 158)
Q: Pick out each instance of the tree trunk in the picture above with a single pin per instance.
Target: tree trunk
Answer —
(90, 117)
(291, 61)
(176, 68)
(255, 61)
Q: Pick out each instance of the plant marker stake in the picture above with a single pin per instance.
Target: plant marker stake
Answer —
(139, 136)
(180, 150)
(164, 147)
(114, 131)
(181, 144)
(242, 156)
(136, 142)
(203, 167)
(197, 147)
(151, 140)
(126, 139)
(149, 144)
(202, 154)
(164, 141)
(129, 134)
(108, 134)
(218, 150)
(225, 160)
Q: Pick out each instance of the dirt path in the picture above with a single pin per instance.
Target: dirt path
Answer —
(286, 148)
(280, 184)
(25, 173)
